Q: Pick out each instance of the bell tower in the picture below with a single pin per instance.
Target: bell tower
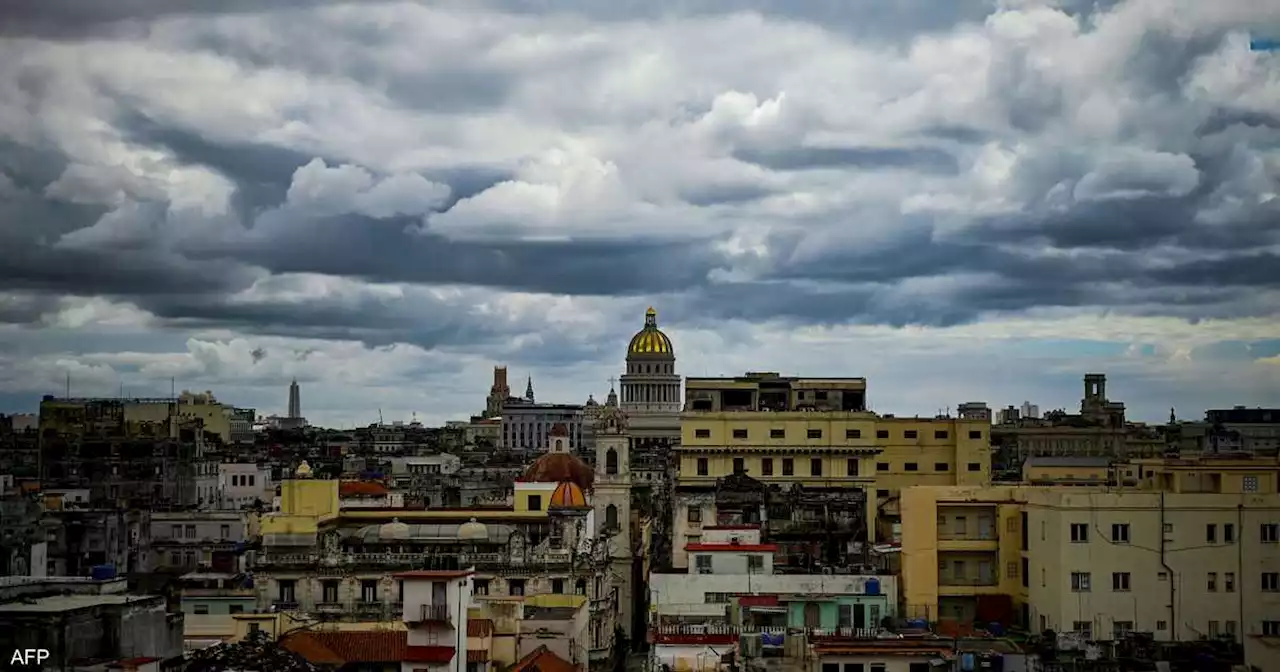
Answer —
(611, 501)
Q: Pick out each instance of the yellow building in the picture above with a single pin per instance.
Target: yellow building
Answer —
(816, 432)
(1191, 551)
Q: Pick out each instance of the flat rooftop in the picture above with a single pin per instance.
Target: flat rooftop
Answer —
(54, 604)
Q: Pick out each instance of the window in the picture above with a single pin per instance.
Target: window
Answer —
(940, 434)
(1011, 569)
(911, 466)
(739, 465)
(175, 531)
(941, 466)
(535, 502)
(1083, 628)
(1249, 484)
(235, 609)
(224, 532)
(1079, 533)
(1162, 625)
(611, 517)
(1214, 628)
(975, 434)
(1026, 573)
(814, 433)
(853, 433)
(739, 433)
(1270, 533)
(255, 627)
(481, 587)
(1231, 629)
(877, 667)
(515, 586)
(1212, 582)
(557, 586)
(1079, 582)
(703, 563)
(910, 434)
(695, 515)
(1168, 528)
(580, 587)
(1228, 533)
(755, 563)
(1271, 628)
(1120, 533)
(1120, 628)
(882, 493)
(882, 433)
(1271, 582)
(1229, 582)
(777, 433)
(701, 433)
(611, 462)
(1120, 582)
(815, 466)
(820, 395)
(766, 466)
(329, 591)
(191, 532)
(703, 470)
(202, 609)
(1211, 533)
(851, 467)
(882, 466)
(284, 590)
(919, 667)
(975, 466)
(369, 590)
(788, 467)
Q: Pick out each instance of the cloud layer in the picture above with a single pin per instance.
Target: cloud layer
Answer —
(385, 199)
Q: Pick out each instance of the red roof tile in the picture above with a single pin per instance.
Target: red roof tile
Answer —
(479, 627)
(542, 659)
(362, 489)
(348, 646)
(428, 654)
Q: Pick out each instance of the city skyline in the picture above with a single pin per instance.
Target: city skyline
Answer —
(899, 193)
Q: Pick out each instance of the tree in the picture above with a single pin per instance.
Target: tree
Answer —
(255, 653)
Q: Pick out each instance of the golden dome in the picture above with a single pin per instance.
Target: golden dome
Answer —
(650, 340)
(568, 496)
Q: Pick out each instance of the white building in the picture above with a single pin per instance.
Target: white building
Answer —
(1030, 410)
(435, 612)
(525, 424)
(234, 486)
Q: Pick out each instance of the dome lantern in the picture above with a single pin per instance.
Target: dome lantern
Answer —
(650, 341)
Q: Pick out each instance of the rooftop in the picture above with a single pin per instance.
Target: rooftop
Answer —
(54, 604)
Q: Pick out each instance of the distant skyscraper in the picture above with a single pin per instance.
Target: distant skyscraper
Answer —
(295, 400)
(1030, 410)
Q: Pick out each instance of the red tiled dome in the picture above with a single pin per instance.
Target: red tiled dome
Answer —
(568, 496)
(558, 468)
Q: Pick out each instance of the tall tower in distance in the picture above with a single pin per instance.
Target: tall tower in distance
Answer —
(295, 400)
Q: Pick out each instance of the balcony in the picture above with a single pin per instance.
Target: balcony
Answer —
(433, 613)
(284, 605)
(977, 540)
(330, 606)
(967, 586)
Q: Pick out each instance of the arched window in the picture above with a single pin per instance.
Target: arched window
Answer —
(611, 517)
(559, 445)
(611, 462)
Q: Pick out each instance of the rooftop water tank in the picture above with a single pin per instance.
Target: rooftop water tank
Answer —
(103, 572)
(872, 587)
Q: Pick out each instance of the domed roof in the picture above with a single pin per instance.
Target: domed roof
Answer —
(394, 530)
(568, 496)
(558, 468)
(650, 340)
(591, 401)
(473, 530)
(304, 470)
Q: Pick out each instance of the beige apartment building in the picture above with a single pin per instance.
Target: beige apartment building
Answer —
(1191, 551)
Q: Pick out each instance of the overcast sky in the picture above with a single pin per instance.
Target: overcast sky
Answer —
(960, 200)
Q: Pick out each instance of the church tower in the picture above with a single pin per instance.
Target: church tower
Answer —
(612, 503)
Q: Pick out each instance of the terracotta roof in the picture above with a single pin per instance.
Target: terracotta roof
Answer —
(348, 646)
(479, 627)
(428, 654)
(362, 489)
(558, 429)
(558, 468)
(542, 659)
(568, 496)
(434, 574)
(477, 656)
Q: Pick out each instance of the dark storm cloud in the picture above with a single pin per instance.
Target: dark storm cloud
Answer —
(71, 19)
(921, 159)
